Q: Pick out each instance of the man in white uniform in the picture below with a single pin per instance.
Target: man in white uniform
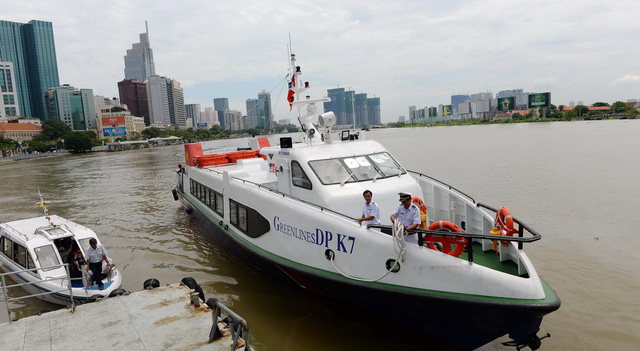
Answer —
(408, 214)
(95, 255)
(370, 210)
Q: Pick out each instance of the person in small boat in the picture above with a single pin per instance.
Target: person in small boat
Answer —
(107, 265)
(95, 255)
(408, 214)
(76, 261)
(370, 210)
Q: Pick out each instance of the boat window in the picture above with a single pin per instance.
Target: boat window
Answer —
(208, 196)
(55, 231)
(84, 244)
(219, 209)
(386, 164)
(7, 247)
(248, 220)
(30, 263)
(20, 255)
(361, 168)
(299, 177)
(330, 171)
(46, 256)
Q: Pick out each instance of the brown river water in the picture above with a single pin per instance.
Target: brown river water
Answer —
(576, 183)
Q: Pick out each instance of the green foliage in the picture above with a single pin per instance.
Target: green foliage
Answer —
(55, 130)
(8, 144)
(619, 107)
(597, 104)
(581, 110)
(633, 113)
(35, 145)
(78, 142)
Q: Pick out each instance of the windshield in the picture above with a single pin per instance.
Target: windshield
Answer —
(360, 168)
(46, 256)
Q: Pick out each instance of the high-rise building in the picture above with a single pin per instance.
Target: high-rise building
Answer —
(178, 114)
(210, 116)
(75, 107)
(456, 100)
(31, 49)
(373, 110)
(337, 105)
(166, 102)
(221, 105)
(8, 95)
(265, 118)
(234, 120)
(362, 115)
(138, 62)
(252, 112)
(133, 93)
(349, 107)
(193, 112)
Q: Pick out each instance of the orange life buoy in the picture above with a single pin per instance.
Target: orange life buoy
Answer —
(504, 221)
(446, 241)
(423, 211)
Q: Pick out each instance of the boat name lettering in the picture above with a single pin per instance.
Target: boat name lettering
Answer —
(286, 153)
(341, 242)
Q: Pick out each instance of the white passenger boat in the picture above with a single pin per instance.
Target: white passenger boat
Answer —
(34, 253)
(291, 211)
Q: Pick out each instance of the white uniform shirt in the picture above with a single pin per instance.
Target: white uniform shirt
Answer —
(95, 256)
(408, 216)
(371, 209)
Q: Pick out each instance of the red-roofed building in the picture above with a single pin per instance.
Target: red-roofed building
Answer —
(19, 131)
(591, 108)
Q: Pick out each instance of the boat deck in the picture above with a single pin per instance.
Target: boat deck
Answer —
(158, 319)
(489, 259)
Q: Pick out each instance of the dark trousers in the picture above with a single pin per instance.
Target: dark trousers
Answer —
(96, 269)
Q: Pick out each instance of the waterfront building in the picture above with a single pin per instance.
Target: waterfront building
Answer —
(210, 117)
(349, 107)
(373, 110)
(362, 114)
(265, 115)
(138, 62)
(234, 120)
(253, 106)
(284, 121)
(337, 105)
(8, 94)
(412, 114)
(456, 100)
(75, 107)
(221, 105)
(116, 122)
(133, 93)
(166, 101)
(194, 113)
(19, 131)
(31, 49)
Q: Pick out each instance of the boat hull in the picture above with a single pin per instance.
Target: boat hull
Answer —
(461, 322)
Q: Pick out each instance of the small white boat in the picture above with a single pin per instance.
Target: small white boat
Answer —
(36, 252)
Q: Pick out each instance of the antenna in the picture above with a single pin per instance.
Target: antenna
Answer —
(43, 204)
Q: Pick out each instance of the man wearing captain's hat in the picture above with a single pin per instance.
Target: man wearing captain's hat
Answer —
(408, 214)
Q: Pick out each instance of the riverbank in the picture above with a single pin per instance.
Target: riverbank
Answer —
(501, 121)
(8, 159)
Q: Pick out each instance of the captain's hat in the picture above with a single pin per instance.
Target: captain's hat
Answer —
(404, 196)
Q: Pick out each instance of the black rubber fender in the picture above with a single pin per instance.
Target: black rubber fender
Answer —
(175, 194)
(191, 284)
(117, 292)
(150, 284)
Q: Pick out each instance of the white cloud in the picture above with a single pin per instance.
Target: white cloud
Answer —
(406, 52)
(627, 79)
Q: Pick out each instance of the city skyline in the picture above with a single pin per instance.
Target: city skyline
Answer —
(407, 53)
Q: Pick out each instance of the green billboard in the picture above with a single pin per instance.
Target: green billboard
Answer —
(506, 103)
(539, 100)
(446, 110)
(433, 111)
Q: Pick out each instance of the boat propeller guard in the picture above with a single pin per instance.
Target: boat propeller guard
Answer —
(446, 241)
(532, 341)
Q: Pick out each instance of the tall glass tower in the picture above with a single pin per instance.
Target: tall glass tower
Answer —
(138, 62)
(31, 49)
(267, 116)
(221, 105)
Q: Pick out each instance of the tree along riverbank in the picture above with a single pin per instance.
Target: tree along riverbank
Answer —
(501, 121)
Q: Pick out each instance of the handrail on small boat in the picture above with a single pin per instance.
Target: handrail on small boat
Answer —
(6, 287)
(443, 183)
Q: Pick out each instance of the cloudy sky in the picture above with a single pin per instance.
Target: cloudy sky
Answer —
(405, 52)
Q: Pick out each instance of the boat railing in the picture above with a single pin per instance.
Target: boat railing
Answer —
(520, 239)
(15, 231)
(443, 184)
(62, 278)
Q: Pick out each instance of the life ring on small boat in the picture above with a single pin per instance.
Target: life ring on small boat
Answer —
(446, 241)
(423, 211)
(504, 221)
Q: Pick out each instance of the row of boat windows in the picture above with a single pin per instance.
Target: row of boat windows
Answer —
(243, 217)
(45, 255)
(356, 169)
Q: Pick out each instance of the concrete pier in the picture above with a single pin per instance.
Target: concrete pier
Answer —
(160, 319)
